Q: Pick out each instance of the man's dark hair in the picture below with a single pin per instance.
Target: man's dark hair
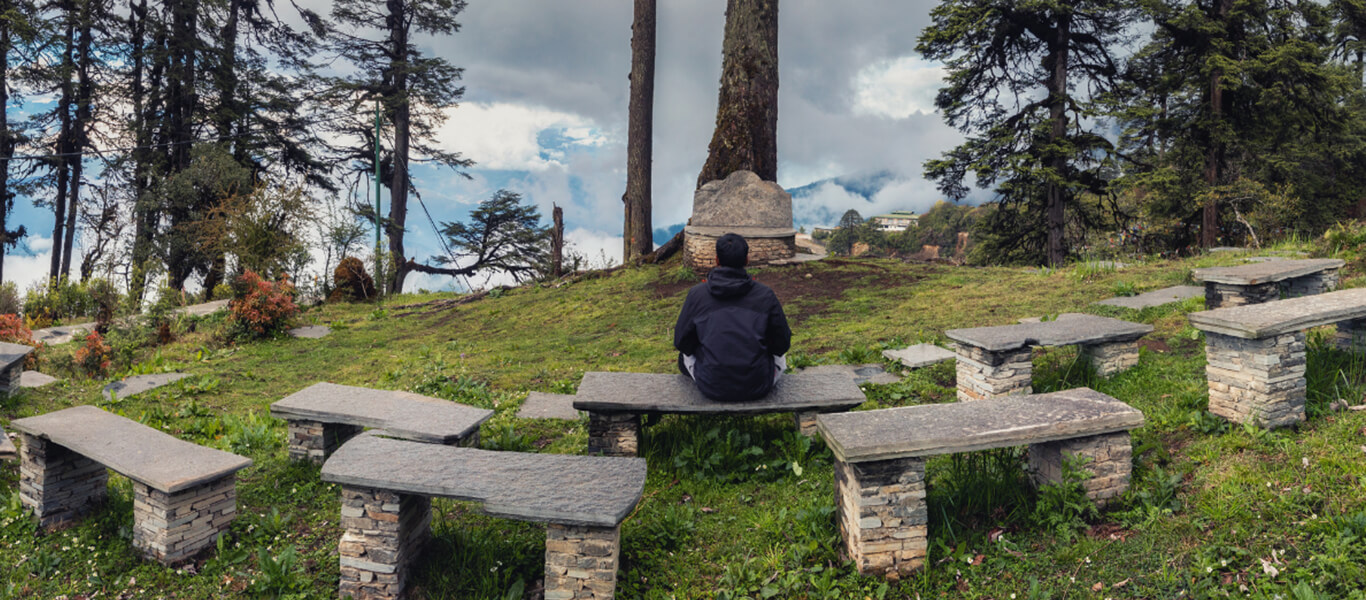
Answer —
(732, 251)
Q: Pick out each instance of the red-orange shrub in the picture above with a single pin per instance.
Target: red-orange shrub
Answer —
(14, 331)
(93, 357)
(261, 308)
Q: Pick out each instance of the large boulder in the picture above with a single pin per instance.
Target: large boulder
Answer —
(742, 200)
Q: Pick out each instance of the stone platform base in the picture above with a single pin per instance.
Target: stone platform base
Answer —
(173, 528)
(314, 441)
(1107, 458)
(1256, 381)
(767, 246)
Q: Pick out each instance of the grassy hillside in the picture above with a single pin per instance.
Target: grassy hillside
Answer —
(743, 507)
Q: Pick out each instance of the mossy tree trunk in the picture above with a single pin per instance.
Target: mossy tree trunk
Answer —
(746, 135)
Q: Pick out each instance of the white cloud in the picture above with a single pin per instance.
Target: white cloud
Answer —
(897, 88)
(602, 250)
(504, 135)
(27, 271)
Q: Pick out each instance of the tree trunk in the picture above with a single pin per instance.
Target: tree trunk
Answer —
(64, 146)
(79, 130)
(6, 144)
(397, 98)
(180, 106)
(1057, 117)
(746, 134)
(638, 225)
(557, 243)
(1209, 222)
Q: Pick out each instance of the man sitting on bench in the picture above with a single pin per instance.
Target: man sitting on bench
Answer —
(732, 334)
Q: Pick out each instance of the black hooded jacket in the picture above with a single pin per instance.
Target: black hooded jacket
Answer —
(734, 326)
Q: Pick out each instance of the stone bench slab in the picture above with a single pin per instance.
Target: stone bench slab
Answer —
(138, 384)
(1257, 321)
(402, 414)
(930, 429)
(548, 488)
(12, 353)
(1265, 272)
(7, 449)
(35, 379)
(1066, 330)
(654, 393)
(311, 332)
(919, 355)
(143, 454)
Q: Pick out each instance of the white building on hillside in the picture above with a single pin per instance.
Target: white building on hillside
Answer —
(897, 220)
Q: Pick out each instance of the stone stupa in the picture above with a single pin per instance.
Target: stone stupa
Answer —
(742, 203)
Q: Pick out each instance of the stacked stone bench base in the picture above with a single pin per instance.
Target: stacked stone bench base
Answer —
(880, 461)
(324, 416)
(184, 495)
(386, 509)
(616, 401)
(1256, 353)
(996, 361)
(12, 357)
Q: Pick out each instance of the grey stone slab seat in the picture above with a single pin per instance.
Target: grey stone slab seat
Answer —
(184, 494)
(1255, 353)
(7, 450)
(615, 402)
(1166, 295)
(137, 384)
(1255, 283)
(12, 366)
(387, 485)
(919, 355)
(996, 361)
(324, 415)
(880, 460)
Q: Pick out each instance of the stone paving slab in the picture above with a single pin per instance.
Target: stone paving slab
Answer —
(1167, 295)
(919, 355)
(596, 491)
(143, 454)
(402, 414)
(137, 384)
(1257, 321)
(1066, 330)
(541, 405)
(311, 332)
(870, 373)
(62, 334)
(12, 353)
(34, 379)
(1265, 272)
(206, 308)
(931, 429)
(7, 449)
(666, 393)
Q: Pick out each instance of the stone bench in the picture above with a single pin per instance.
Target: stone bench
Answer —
(7, 450)
(615, 402)
(880, 460)
(1255, 353)
(12, 358)
(324, 415)
(1262, 282)
(184, 494)
(386, 509)
(997, 361)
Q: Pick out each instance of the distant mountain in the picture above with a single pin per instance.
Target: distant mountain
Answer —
(863, 186)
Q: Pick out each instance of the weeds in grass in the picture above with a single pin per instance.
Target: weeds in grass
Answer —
(485, 562)
(250, 433)
(859, 355)
(278, 574)
(1063, 506)
(507, 439)
(435, 381)
(1124, 288)
(970, 487)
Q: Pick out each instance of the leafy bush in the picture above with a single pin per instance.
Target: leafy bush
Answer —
(260, 308)
(9, 299)
(352, 283)
(60, 300)
(93, 357)
(221, 291)
(105, 299)
(14, 331)
(1063, 506)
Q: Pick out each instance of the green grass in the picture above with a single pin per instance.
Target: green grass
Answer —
(741, 507)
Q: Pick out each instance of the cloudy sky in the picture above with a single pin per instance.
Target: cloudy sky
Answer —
(545, 113)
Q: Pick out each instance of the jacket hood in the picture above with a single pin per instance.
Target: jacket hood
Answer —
(729, 282)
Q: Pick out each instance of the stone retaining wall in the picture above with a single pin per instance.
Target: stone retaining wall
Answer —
(806, 423)
(9, 380)
(1109, 359)
(882, 515)
(57, 484)
(581, 562)
(172, 528)
(314, 441)
(613, 434)
(699, 251)
(1351, 335)
(1108, 460)
(385, 531)
(1310, 285)
(985, 374)
(1256, 381)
